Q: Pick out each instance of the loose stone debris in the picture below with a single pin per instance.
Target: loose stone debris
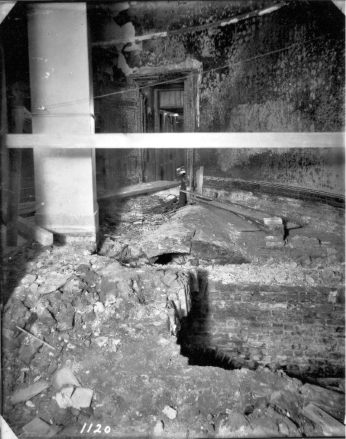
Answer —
(29, 392)
(115, 317)
(169, 412)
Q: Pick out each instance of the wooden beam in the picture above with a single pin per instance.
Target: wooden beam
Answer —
(169, 140)
(30, 230)
(138, 189)
(15, 158)
(199, 180)
(13, 197)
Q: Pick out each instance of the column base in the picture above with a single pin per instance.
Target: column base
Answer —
(68, 229)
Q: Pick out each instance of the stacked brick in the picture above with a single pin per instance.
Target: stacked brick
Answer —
(298, 329)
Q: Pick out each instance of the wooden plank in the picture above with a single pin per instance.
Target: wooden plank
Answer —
(4, 152)
(27, 207)
(28, 228)
(19, 113)
(192, 170)
(199, 180)
(169, 140)
(329, 425)
(15, 160)
(138, 189)
(10, 251)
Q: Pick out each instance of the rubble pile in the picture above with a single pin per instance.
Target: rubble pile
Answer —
(90, 339)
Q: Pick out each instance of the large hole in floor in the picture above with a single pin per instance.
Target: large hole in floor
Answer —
(196, 341)
(168, 258)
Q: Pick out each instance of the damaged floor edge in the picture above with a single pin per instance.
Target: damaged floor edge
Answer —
(128, 332)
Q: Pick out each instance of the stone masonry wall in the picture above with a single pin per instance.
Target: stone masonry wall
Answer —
(312, 168)
(281, 71)
(299, 329)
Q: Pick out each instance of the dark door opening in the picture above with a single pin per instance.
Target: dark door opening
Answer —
(169, 109)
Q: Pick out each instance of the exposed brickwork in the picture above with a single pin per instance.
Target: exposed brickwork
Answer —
(299, 329)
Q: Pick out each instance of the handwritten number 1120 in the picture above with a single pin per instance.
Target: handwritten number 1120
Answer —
(98, 428)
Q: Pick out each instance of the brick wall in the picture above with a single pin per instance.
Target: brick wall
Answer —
(299, 329)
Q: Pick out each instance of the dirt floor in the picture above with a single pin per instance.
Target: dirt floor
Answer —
(110, 318)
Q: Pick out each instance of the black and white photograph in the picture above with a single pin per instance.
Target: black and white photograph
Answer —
(172, 219)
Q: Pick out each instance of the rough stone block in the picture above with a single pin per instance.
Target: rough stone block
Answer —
(29, 392)
(39, 428)
(64, 376)
(170, 412)
(63, 398)
(65, 318)
(28, 279)
(81, 398)
(304, 241)
(55, 281)
(27, 351)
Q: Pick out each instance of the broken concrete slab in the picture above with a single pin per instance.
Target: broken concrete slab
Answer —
(329, 425)
(55, 281)
(62, 377)
(330, 401)
(28, 279)
(29, 392)
(81, 398)
(39, 428)
(198, 231)
(215, 251)
(27, 351)
(63, 398)
(169, 238)
(46, 317)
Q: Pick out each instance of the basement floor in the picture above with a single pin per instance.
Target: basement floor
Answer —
(110, 324)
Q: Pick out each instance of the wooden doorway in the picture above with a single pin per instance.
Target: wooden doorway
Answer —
(170, 107)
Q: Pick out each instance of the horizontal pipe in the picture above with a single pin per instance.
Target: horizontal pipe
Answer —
(177, 140)
(224, 22)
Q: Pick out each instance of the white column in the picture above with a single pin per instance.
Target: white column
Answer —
(62, 103)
